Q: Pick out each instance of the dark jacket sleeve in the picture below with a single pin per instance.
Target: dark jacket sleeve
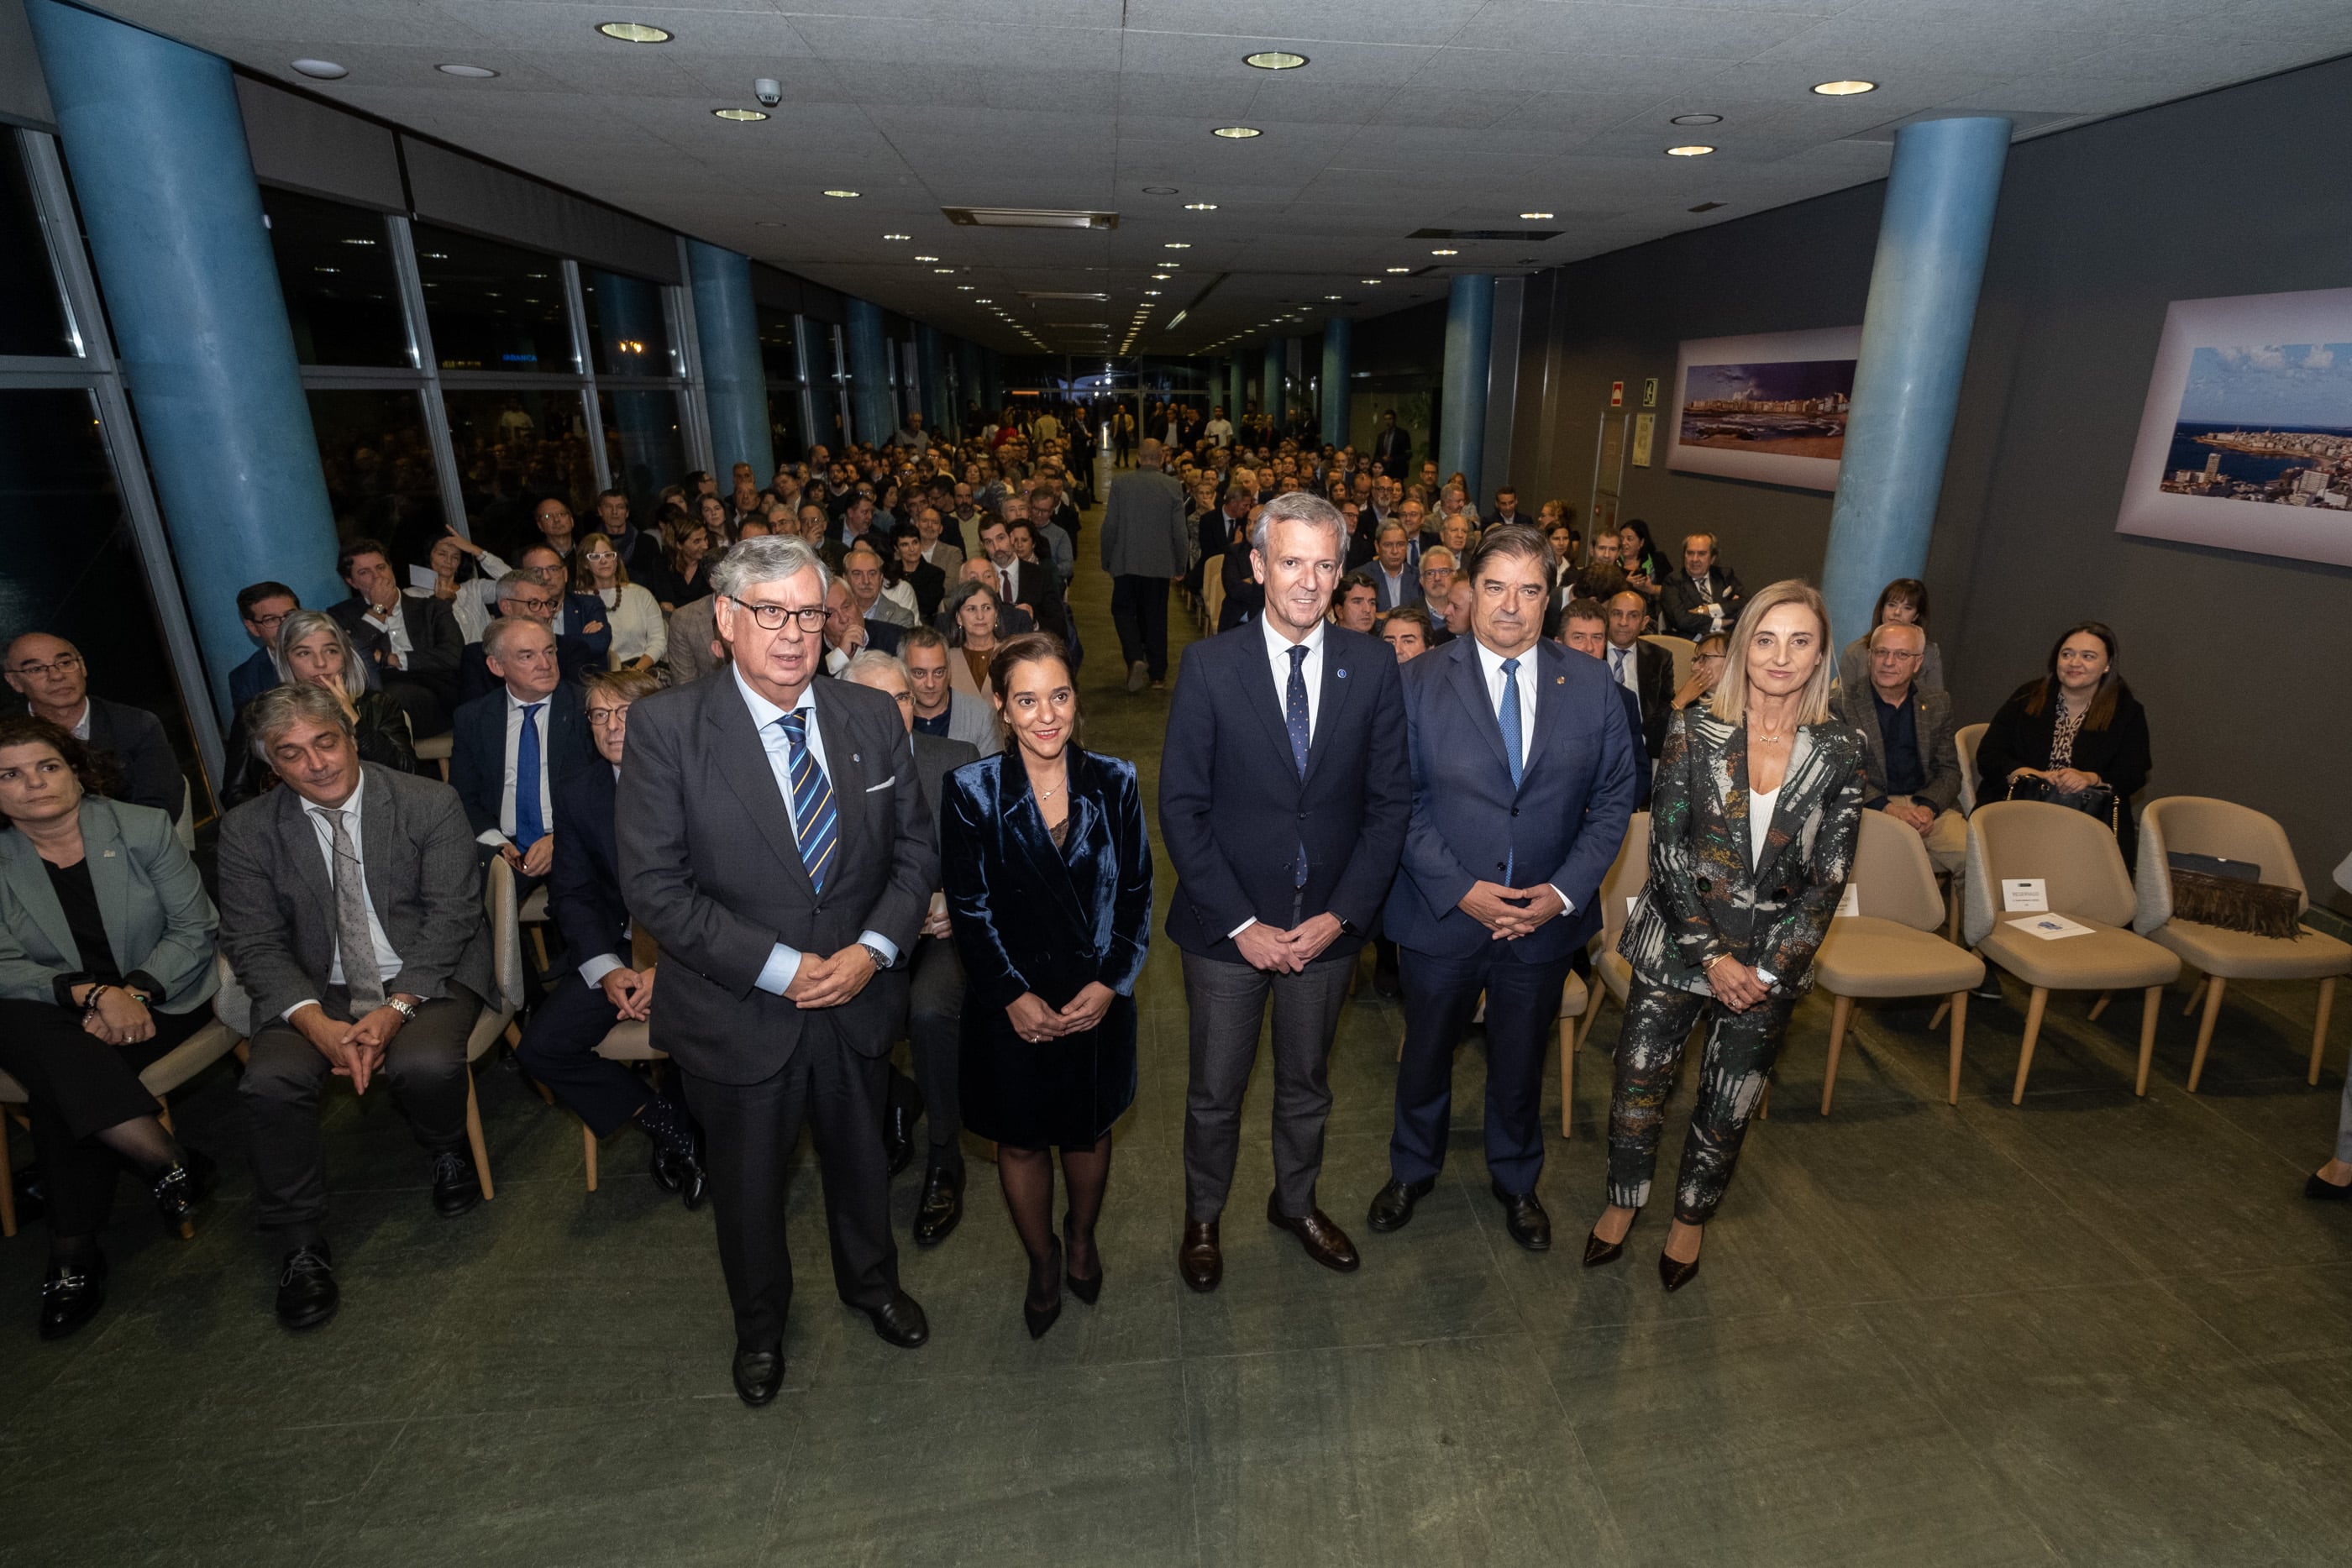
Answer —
(971, 862)
(253, 927)
(905, 899)
(2008, 744)
(435, 642)
(2131, 762)
(1363, 887)
(1131, 925)
(381, 731)
(450, 885)
(1786, 947)
(1188, 766)
(587, 908)
(475, 776)
(151, 776)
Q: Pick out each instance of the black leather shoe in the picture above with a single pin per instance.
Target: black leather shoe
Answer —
(1674, 1275)
(1392, 1205)
(1597, 1253)
(900, 1322)
(1524, 1217)
(681, 1172)
(759, 1374)
(902, 1108)
(1324, 1243)
(71, 1296)
(457, 1186)
(2321, 1190)
(307, 1293)
(1200, 1262)
(183, 1186)
(942, 1207)
(668, 1170)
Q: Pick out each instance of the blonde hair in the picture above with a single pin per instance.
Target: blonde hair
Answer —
(1728, 701)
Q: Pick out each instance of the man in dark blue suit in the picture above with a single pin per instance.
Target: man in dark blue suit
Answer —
(538, 594)
(612, 975)
(1584, 628)
(508, 751)
(263, 607)
(1284, 795)
(1523, 777)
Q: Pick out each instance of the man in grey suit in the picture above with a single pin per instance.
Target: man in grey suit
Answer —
(774, 840)
(1910, 752)
(1145, 551)
(349, 859)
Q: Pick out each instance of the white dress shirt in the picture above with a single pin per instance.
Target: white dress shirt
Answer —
(1490, 667)
(783, 961)
(80, 726)
(387, 962)
(1396, 582)
(504, 832)
(1625, 666)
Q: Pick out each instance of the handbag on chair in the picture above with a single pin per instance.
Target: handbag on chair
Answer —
(2098, 800)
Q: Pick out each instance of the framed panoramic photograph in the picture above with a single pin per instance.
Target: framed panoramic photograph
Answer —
(2245, 442)
(1771, 407)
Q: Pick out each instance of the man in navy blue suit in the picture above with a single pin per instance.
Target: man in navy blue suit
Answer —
(612, 975)
(1523, 779)
(508, 751)
(263, 607)
(1284, 796)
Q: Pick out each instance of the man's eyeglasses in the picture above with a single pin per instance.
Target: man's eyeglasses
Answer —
(606, 718)
(63, 665)
(772, 617)
(269, 623)
(532, 603)
(1898, 655)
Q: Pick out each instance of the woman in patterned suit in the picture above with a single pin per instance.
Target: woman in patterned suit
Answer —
(1753, 818)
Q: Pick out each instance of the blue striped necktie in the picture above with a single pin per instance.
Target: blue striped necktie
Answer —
(816, 826)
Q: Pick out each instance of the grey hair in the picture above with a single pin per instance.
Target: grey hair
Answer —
(1297, 507)
(279, 708)
(511, 585)
(874, 659)
(301, 623)
(495, 635)
(750, 563)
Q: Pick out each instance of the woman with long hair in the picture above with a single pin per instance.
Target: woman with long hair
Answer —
(2075, 735)
(632, 611)
(975, 618)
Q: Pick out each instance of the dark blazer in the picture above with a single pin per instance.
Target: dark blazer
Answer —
(1392, 449)
(574, 656)
(1234, 810)
(159, 924)
(436, 643)
(477, 751)
(1683, 606)
(936, 756)
(930, 585)
(1654, 672)
(150, 774)
(1640, 744)
(252, 678)
(1244, 595)
(1410, 586)
(1705, 895)
(277, 909)
(2118, 754)
(585, 610)
(1939, 757)
(1041, 590)
(710, 870)
(584, 879)
(1562, 825)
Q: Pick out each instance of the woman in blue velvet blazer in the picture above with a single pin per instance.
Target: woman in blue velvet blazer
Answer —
(1049, 875)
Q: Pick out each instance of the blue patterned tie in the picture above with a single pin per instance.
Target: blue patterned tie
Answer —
(1294, 718)
(530, 827)
(1509, 718)
(816, 826)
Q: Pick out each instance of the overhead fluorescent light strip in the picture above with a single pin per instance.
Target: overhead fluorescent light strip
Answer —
(1029, 218)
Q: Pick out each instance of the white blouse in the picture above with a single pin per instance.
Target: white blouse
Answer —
(636, 622)
(1760, 823)
(476, 599)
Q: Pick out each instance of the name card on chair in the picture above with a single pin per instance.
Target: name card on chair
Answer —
(1852, 903)
(2024, 894)
(2050, 928)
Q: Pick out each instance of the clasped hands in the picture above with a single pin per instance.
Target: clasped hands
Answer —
(2068, 781)
(120, 1019)
(1036, 1020)
(1736, 985)
(532, 862)
(1270, 947)
(1510, 912)
(631, 991)
(356, 1049)
(829, 982)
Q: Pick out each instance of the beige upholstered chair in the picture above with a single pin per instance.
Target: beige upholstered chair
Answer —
(435, 748)
(1965, 740)
(1627, 875)
(2076, 856)
(631, 1041)
(2198, 825)
(534, 919)
(1684, 651)
(1574, 1001)
(1891, 948)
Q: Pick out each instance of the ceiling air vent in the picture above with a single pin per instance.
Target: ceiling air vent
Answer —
(1051, 294)
(1028, 218)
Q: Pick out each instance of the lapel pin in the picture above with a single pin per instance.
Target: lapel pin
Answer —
(1560, 680)
(108, 855)
(1343, 674)
(855, 757)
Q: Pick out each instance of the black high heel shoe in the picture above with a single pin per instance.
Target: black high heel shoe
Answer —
(1087, 1290)
(1040, 1319)
(181, 1189)
(1673, 1274)
(1597, 1253)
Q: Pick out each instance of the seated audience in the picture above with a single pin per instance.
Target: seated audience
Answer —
(634, 614)
(53, 678)
(1706, 668)
(847, 634)
(1393, 577)
(1705, 596)
(941, 549)
(1584, 626)
(349, 860)
(312, 650)
(106, 964)
(262, 606)
(1507, 510)
(1645, 572)
(914, 583)
(861, 571)
(1643, 668)
(414, 645)
(509, 749)
(524, 594)
(1902, 601)
(1437, 566)
(1406, 629)
(941, 709)
(2071, 733)
(1907, 748)
(552, 519)
(975, 627)
(466, 578)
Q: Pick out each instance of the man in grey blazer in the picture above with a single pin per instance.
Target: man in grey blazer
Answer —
(1909, 749)
(1145, 551)
(774, 840)
(348, 858)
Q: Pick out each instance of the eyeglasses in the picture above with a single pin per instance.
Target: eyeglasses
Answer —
(1898, 655)
(601, 555)
(269, 623)
(532, 603)
(63, 665)
(772, 617)
(606, 718)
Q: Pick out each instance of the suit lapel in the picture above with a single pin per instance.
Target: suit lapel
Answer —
(1549, 691)
(297, 843)
(376, 829)
(1470, 682)
(1332, 706)
(842, 750)
(1731, 780)
(743, 763)
(1264, 698)
(1024, 820)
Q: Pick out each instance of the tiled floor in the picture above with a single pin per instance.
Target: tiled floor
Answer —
(2094, 1329)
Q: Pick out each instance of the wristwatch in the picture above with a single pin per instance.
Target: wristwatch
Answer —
(881, 959)
(407, 1010)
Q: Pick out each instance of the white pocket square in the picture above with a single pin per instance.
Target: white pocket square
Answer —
(884, 785)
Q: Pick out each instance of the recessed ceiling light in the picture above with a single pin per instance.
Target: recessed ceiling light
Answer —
(1696, 119)
(328, 70)
(1158, 190)
(1444, 252)
(1534, 214)
(741, 116)
(1199, 207)
(634, 32)
(1843, 88)
(845, 196)
(927, 258)
(945, 269)
(1237, 132)
(1690, 150)
(1372, 282)
(897, 236)
(1397, 270)
(1275, 60)
(1177, 245)
(355, 240)
(1152, 293)
(964, 287)
(983, 302)
(471, 73)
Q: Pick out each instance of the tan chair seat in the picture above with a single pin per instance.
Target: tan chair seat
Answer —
(434, 748)
(2108, 959)
(188, 1059)
(534, 908)
(1573, 997)
(2308, 956)
(1865, 957)
(630, 1041)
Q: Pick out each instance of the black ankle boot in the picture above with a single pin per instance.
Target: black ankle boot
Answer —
(72, 1295)
(181, 1187)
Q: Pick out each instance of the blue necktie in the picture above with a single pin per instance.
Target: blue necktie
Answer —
(1617, 668)
(1294, 717)
(816, 826)
(1511, 743)
(530, 827)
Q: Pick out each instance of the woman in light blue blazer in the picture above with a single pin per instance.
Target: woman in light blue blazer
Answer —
(106, 964)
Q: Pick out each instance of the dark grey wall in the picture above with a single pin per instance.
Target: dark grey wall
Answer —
(2244, 660)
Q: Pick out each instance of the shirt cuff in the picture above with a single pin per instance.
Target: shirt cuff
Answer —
(1767, 977)
(776, 975)
(594, 970)
(306, 1002)
(1241, 927)
(1567, 904)
(492, 837)
(875, 939)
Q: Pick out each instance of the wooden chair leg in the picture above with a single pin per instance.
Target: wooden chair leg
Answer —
(2150, 1007)
(1567, 1078)
(2196, 994)
(1936, 1022)
(243, 1049)
(2319, 1029)
(1764, 1102)
(539, 944)
(588, 1154)
(1959, 1007)
(2034, 1011)
(1952, 912)
(2215, 985)
(2101, 1005)
(7, 1185)
(474, 1137)
(163, 1114)
(1841, 1010)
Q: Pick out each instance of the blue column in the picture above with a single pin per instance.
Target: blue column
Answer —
(156, 147)
(1237, 394)
(968, 376)
(875, 416)
(734, 382)
(1461, 441)
(1932, 238)
(1338, 358)
(931, 364)
(1272, 397)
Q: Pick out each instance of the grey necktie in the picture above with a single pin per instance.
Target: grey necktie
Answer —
(362, 977)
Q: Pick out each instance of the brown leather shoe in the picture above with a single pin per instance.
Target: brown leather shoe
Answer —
(1324, 1243)
(1199, 1259)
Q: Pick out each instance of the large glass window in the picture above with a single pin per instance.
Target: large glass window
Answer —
(514, 447)
(342, 293)
(643, 444)
(73, 562)
(628, 334)
(379, 466)
(784, 424)
(778, 355)
(32, 318)
(493, 307)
